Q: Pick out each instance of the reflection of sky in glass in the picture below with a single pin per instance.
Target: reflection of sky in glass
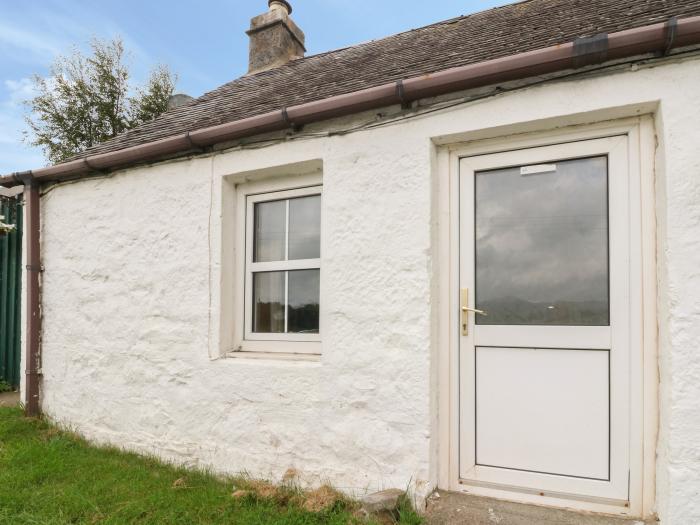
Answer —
(270, 229)
(270, 224)
(305, 228)
(303, 287)
(542, 245)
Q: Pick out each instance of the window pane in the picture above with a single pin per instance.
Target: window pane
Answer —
(305, 228)
(268, 302)
(269, 231)
(303, 301)
(542, 244)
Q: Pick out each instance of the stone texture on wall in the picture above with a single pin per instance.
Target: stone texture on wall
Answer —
(130, 301)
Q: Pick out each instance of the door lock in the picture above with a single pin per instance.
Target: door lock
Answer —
(465, 309)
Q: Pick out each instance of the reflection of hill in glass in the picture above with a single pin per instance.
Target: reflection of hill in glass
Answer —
(303, 319)
(514, 311)
(269, 318)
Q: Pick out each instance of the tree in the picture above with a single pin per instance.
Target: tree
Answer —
(88, 99)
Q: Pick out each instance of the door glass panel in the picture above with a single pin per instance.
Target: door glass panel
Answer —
(268, 302)
(542, 244)
(303, 301)
(269, 231)
(305, 228)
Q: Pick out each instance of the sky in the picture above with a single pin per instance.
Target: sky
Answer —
(203, 42)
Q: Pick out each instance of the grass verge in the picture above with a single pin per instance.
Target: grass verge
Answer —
(49, 477)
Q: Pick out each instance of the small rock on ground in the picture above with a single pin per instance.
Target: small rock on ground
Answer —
(386, 500)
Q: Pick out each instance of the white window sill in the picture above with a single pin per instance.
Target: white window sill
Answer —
(274, 356)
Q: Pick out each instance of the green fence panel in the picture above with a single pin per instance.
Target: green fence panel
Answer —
(10, 292)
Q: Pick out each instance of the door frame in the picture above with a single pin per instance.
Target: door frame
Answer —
(643, 335)
(612, 339)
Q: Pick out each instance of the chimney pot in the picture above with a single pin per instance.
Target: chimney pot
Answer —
(274, 38)
(280, 4)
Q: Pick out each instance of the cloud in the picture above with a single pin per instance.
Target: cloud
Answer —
(15, 155)
(19, 91)
(11, 127)
(35, 46)
(12, 109)
(56, 28)
(543, 238)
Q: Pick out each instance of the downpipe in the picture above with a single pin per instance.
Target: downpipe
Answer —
(32, 325)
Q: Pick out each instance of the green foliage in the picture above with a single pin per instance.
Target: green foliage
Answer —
(53, 477)
(406, 513)
(5, 387)
(88, 99)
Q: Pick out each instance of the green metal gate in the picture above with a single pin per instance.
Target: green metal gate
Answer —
(10, 291)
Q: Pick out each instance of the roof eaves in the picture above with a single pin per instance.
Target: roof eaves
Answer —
(626, 43)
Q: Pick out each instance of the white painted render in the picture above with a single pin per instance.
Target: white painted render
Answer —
(132, 346)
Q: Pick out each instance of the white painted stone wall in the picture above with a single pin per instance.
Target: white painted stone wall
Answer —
(131, 299)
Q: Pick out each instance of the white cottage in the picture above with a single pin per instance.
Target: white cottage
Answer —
(462, 257)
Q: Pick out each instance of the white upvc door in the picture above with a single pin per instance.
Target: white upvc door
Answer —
(544, 333)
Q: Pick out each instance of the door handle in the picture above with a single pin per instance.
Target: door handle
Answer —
(475, 310)
(465, 309)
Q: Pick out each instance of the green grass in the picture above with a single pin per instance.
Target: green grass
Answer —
(52, 477)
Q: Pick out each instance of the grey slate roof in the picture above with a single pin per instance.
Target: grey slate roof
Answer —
(503, 31)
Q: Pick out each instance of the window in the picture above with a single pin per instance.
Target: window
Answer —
(282, 271)
(548, 264)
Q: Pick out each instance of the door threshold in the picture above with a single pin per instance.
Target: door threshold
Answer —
(456, 508)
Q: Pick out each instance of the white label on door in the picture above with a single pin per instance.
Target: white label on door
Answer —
(538, 168)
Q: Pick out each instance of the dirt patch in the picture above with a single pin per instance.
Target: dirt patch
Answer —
(317, 500)
(180, 483)
(9, 399)
(266, 490)
(321, 499)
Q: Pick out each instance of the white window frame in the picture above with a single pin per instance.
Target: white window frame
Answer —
(247, 341)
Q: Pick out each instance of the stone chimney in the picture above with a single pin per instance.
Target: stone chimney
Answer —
(274, 38)
(179, 99)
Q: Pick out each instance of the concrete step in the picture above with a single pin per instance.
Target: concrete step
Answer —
(450, 508)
